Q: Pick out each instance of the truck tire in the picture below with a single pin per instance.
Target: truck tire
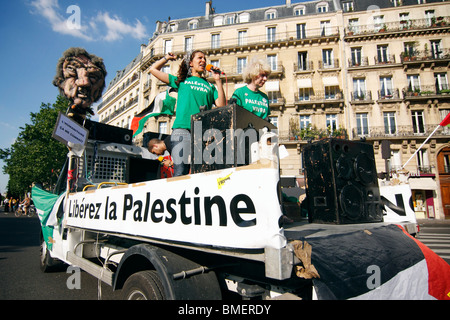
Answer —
(143, 285)
(46, 262)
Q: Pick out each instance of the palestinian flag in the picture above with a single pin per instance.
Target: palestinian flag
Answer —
(163, 103)
(446, 121)
(49, 208)
(379, 263)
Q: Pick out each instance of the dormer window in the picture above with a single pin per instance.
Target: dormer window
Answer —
(244, 17)
(173, 27)
(193, 24)
(271, 14)
(230, 19)
(322, 7)
(299, 11)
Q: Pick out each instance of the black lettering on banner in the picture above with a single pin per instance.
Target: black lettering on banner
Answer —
(236, 211)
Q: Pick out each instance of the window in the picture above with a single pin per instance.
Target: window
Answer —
(299, 11)
(331, 122)
(396, 3)
(230, 19)
(423, 162)
(382, 54)
(359, 89)
(301, 31)
(325, 28)
(173, 27)
(241, 64)
(413, 82)
(271, 34)
(162, 127)
(409, 49)
(242, 37)
(430, 17)
(405, 23)
(389, 123)
(273, 62)
(417, 121)
(218, 21)
(436, 52)
(167, 46)
(188, 44)
(362, 124)
(322, 7)
(395, 162)
(193, 24)
(327, 58)
(378, 23)
(386, 87)
(244, 17)
(304, 94)
(271, 14)
(303, 61)
(331, 92)
(356, 54)
(347, 6)
(215, 41)
(305, 122)
(353, 25)
(441, 81)
(443, 113)
(274, 121)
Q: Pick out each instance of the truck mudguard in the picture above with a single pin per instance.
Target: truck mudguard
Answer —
(141, 257)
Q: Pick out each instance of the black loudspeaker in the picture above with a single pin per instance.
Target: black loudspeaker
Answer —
(107, 133)
(222, 137)
(341, 182)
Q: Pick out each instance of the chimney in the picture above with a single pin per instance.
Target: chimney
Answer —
(288, 3)
(208, 10)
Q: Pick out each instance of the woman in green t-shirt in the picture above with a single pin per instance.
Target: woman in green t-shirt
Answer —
(250, 97)
(193, 92)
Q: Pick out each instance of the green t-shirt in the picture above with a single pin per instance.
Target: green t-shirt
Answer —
(255, 102)
(193, 93)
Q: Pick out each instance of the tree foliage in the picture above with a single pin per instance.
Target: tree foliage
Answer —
(35, 157)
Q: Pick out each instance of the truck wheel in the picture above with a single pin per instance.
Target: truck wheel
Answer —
(143, 285)
(46, 262)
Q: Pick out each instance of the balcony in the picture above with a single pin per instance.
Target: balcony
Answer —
(384, 59)
(426, 92)
(401, 132)
(388, 94)
(355, 63)
(407, 27)
(361, 97)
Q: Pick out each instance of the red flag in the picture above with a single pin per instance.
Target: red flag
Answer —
(446, 121)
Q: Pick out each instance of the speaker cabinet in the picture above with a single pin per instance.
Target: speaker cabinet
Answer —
(222, 137)
(107, 133)
(341, 182)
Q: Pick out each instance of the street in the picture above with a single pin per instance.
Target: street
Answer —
(435, 234)
(21, 278)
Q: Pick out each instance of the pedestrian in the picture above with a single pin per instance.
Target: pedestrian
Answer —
(194, 93)
(250, 97)
(163, 149)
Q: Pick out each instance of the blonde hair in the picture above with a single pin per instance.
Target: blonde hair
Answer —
(254, 68)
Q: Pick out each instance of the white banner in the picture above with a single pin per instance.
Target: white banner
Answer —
(236, 208)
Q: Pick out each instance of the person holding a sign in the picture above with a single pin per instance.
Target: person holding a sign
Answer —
(194, 92)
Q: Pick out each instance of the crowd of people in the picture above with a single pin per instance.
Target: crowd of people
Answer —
(11, 204)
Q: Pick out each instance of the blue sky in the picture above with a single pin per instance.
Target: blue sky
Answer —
(35, 33)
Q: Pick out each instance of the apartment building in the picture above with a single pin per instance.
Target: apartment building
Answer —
(376, 70)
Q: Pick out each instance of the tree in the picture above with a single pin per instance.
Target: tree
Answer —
(35, 157)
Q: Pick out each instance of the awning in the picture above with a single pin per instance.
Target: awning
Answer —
(272, 86)
(330, 81)
(304, 83)
(422, 184)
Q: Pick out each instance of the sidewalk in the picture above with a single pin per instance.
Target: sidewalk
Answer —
(434, 222)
